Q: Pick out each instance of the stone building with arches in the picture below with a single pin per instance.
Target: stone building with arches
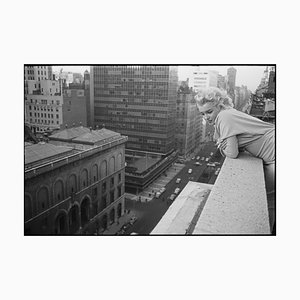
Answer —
(74, 189)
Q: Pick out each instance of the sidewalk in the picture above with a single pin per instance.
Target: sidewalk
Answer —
(115, 227)
(149, 193)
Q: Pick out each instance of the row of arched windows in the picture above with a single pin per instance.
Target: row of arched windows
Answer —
(74, 184)
(70, 222)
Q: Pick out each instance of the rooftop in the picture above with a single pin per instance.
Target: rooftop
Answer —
(69, 133)
(43, 151)
(84, 135)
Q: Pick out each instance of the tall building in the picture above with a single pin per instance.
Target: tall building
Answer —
(203, 79)
(43, 104)
(137, 101)
(75, 183)
(231, 78)
(74, 107)
(190, 126)
(86, 81)
(221, 82)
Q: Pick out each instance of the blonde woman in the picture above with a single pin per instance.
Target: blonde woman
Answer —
(237, 131)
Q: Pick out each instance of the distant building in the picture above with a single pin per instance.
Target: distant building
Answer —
(231, 78)
(204, 79)
(75, 183)
(86, 82)
(43, 104)
(190, 125)
(186, 113)
(74, 108)
(78, 78)
(138, 101)
(221, 82)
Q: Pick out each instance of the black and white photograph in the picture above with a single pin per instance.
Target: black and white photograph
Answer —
(149, 149)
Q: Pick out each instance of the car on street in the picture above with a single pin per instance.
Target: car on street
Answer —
(162, 190)
(178, 180)
(190, 171)
(177, 190)
(211, 165)
(172, 197)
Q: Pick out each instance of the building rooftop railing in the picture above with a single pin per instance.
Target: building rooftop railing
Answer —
(35, 170)
(237, 203)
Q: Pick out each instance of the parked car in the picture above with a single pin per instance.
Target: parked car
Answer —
(216, 163)
(178, 180)
(172, 197)
(177, 190)
(190, 171)
(211, 153)
(202, 158)
(198, 157)
(207, 159)
(193, 157)
(157, 194)
(198, 164)
(211, 165)
(162, 190)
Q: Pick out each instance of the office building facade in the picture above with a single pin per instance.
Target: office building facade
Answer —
(137, 101)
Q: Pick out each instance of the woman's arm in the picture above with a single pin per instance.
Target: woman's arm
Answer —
(229, 147)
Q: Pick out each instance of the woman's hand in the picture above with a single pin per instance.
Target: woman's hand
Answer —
(221, 144)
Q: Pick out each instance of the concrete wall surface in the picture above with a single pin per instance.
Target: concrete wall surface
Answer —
(237, 203)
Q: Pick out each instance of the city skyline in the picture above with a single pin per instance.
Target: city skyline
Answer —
(249, 76)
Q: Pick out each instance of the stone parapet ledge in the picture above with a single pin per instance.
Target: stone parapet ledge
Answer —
(237, 203)
(184, 212)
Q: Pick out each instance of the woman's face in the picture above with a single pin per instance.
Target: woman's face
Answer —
(209, 111)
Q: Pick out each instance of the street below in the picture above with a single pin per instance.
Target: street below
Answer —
(149, 214)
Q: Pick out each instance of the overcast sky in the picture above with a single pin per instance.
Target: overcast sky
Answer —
(246, 75)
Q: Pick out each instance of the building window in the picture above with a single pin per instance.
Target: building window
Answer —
(103, 187)
(119, 191)
(57, 116)
(119, 177)
(95, 191)
(112, 182)
(112, 197)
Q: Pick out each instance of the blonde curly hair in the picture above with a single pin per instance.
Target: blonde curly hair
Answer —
(215, 96)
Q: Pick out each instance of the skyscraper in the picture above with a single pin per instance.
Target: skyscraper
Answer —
(231, 77)
(137, 101)
(204, 79)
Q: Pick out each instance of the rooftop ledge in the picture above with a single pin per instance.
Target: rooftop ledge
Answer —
(235, 204)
